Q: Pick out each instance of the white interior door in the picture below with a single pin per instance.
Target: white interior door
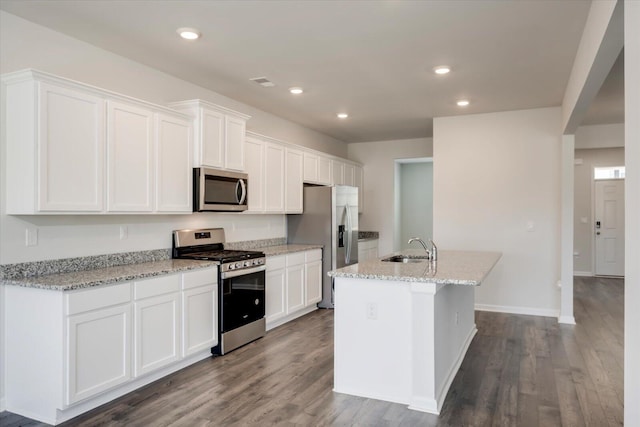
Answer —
(609, 227)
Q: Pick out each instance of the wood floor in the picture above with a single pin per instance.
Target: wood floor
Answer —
(519, 371)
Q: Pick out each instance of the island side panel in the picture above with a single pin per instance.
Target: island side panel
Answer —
(443, 327)
(455, 329)
(372, 339)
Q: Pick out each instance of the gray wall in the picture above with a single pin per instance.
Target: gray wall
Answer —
(416, 202)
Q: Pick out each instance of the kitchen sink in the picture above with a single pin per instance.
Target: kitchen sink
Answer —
(406, 258)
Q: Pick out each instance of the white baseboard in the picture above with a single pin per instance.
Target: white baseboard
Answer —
(583, 273)
(567, 320)
(530, 311)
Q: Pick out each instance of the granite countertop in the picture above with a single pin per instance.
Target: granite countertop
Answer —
(106, 276)
(367, 235)
(451, 268)
(287, 249)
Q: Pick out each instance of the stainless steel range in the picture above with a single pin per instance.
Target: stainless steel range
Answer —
(241, 285)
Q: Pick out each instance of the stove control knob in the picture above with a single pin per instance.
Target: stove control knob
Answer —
(232, 266)
(238, 265)
(247, 263)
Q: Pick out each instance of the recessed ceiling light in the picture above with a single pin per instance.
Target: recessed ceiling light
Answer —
(442, 69)
(296, 90)
(188, 33)
(342, 115)
(463, 103)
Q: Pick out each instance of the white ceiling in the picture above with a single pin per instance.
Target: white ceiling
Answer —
(372, 59)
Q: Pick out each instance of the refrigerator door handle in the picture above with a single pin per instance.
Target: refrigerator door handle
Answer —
(347, 254)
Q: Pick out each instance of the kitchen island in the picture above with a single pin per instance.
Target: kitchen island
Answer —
(403, 329)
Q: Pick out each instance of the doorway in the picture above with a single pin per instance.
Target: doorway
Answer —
(413, 201)
(609, 224)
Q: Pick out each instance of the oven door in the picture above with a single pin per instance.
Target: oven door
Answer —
(241, 297)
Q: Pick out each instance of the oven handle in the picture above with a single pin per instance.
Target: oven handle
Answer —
(243, 272)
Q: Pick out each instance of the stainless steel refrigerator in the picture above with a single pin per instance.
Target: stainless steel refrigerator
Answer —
(330, 219)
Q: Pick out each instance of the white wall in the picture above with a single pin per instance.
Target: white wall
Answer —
(586, 160)
(497, 175)
(378, 159)
(600, 136)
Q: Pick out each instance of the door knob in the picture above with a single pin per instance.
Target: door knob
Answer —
(597, 233)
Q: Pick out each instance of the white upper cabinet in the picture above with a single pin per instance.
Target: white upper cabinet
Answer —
(77, 149)
(174, 174)
(219, 134)
(254, 167)
(274, 165)
(209, 137)
(337, 170)
(130, 142)
(324, 170)
(55, 147)
(278, 170)
(310, 167)
(317, 169)
(235, 132)
(349, 174)
(293, 181)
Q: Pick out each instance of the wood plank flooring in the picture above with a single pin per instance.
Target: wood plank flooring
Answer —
(519, 371)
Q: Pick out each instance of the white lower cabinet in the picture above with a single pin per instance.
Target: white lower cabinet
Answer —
(276, 282)
(293, 286)
(313, 276)
(99, 351)
(102, 342)
(295, 282)
(157, 323)
(199, 311)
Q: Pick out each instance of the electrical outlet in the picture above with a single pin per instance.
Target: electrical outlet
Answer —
(31, 237)
(372, 311)
(124, 232)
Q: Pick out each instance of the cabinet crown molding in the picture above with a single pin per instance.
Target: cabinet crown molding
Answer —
(193, 103)
(31, 74)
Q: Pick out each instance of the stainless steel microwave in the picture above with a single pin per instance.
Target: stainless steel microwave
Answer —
(219, 191)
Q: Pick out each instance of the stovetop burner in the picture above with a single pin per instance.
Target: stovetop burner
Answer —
(223, 255)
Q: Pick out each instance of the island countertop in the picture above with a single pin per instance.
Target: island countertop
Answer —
(452, 268)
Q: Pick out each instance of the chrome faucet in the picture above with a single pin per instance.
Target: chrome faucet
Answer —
(433, 253)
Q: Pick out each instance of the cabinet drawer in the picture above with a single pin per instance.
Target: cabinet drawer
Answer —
(295, 258)
(276, 262)
(156, 286)
(314, 255)
(98, 297)
(193, 279)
